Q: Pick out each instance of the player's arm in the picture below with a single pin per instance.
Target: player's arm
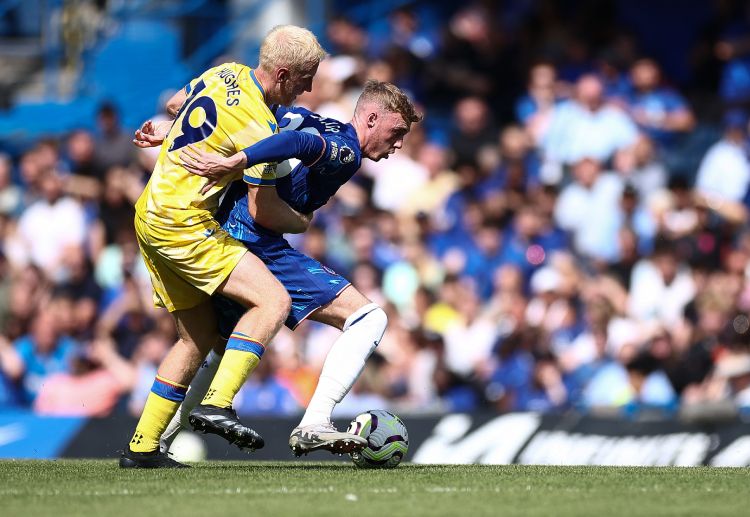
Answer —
(175, 102)
(152, 134)
(270, 211)
(276, 148)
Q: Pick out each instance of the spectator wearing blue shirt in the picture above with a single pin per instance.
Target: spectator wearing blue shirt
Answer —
(639, 383)
(734, 49)
(659, 111)
(265, 395)
(534, 108)
(518, 171)
(41, 353)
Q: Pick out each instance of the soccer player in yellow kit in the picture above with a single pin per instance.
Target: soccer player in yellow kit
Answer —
(190, 257)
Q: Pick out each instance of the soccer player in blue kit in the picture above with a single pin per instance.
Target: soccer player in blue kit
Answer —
(315, 157)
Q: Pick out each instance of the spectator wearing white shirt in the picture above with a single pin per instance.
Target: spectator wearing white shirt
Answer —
(589, 209)
(724, 173)
(585, 127)
(661, 287)
(51, 225)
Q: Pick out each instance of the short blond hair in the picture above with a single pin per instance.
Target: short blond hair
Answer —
(389, 97)
(289, 46)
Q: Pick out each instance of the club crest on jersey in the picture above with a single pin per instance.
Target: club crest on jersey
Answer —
(334, 150)
(346, 155)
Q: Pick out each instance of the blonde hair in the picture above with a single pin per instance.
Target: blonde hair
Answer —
(289, 46)
(389, 97)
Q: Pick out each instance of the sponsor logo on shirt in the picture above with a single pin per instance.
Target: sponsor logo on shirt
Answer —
(334, 150)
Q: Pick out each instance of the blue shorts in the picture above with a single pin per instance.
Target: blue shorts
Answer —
(310, 284)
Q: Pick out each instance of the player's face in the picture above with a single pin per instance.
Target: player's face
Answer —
(297, 83)
(387, 136)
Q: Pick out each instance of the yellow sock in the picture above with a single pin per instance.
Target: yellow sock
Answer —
(161, 405)
(241, 357)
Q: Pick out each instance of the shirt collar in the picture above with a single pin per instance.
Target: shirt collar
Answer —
(257, 83)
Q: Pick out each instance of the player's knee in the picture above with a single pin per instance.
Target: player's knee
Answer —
(379, 320)
(373, 317)
(278, 304)
(284, 306)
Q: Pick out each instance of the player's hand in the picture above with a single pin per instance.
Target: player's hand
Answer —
(209, 165)
(151, 134)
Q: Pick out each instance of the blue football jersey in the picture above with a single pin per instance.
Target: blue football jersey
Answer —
(304, 188)
(308, 188)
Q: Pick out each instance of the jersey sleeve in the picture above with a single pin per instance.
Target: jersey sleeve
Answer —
(304, 146)
(340, 152)
(259, 174)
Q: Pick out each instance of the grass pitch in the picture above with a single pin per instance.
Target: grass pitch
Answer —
(98, 487)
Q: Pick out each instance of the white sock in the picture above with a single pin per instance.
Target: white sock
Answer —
(363, 330)
(196, 391)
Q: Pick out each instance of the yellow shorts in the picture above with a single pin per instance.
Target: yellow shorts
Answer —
(187, 264)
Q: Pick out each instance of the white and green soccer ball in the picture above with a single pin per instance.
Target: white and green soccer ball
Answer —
(387, 439)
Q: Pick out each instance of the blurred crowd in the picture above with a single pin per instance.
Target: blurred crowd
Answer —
(567, 230)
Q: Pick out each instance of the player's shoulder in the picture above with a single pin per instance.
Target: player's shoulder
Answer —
(222, 71)
(289, 113)
(346, 135)
(343, 147)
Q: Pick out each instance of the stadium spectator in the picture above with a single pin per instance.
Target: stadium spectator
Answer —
(50, 226)
(733, 47)
(734, 368)
(473, 130)
(534, 109)
(10, 194)
(37, 355)
(265, 395)
(81, 155)
(724, 173)
(585, 127)
(588, 209)
(659, 111)
(96, 379)
(639, 166)
(113, 146)
(661, 287)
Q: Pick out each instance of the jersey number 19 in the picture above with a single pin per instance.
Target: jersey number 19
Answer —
(191, 134)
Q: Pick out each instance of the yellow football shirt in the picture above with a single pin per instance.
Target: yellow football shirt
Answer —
(224, 113)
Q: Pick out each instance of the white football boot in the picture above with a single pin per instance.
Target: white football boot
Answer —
(324, 437)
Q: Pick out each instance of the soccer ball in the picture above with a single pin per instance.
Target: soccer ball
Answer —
(387, 439)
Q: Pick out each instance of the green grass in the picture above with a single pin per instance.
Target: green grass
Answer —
(95, 487)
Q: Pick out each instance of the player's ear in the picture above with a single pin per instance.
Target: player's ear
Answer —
(372, 119)
(282, 75)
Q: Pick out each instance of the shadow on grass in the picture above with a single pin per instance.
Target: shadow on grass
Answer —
(252, 466)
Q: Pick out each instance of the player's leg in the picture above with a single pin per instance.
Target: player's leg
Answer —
(363, 324)
(228, 313)
(252, 285)
(197, 333)
(195, 393)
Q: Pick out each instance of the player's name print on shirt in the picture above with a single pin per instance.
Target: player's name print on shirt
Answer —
(233, 89)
